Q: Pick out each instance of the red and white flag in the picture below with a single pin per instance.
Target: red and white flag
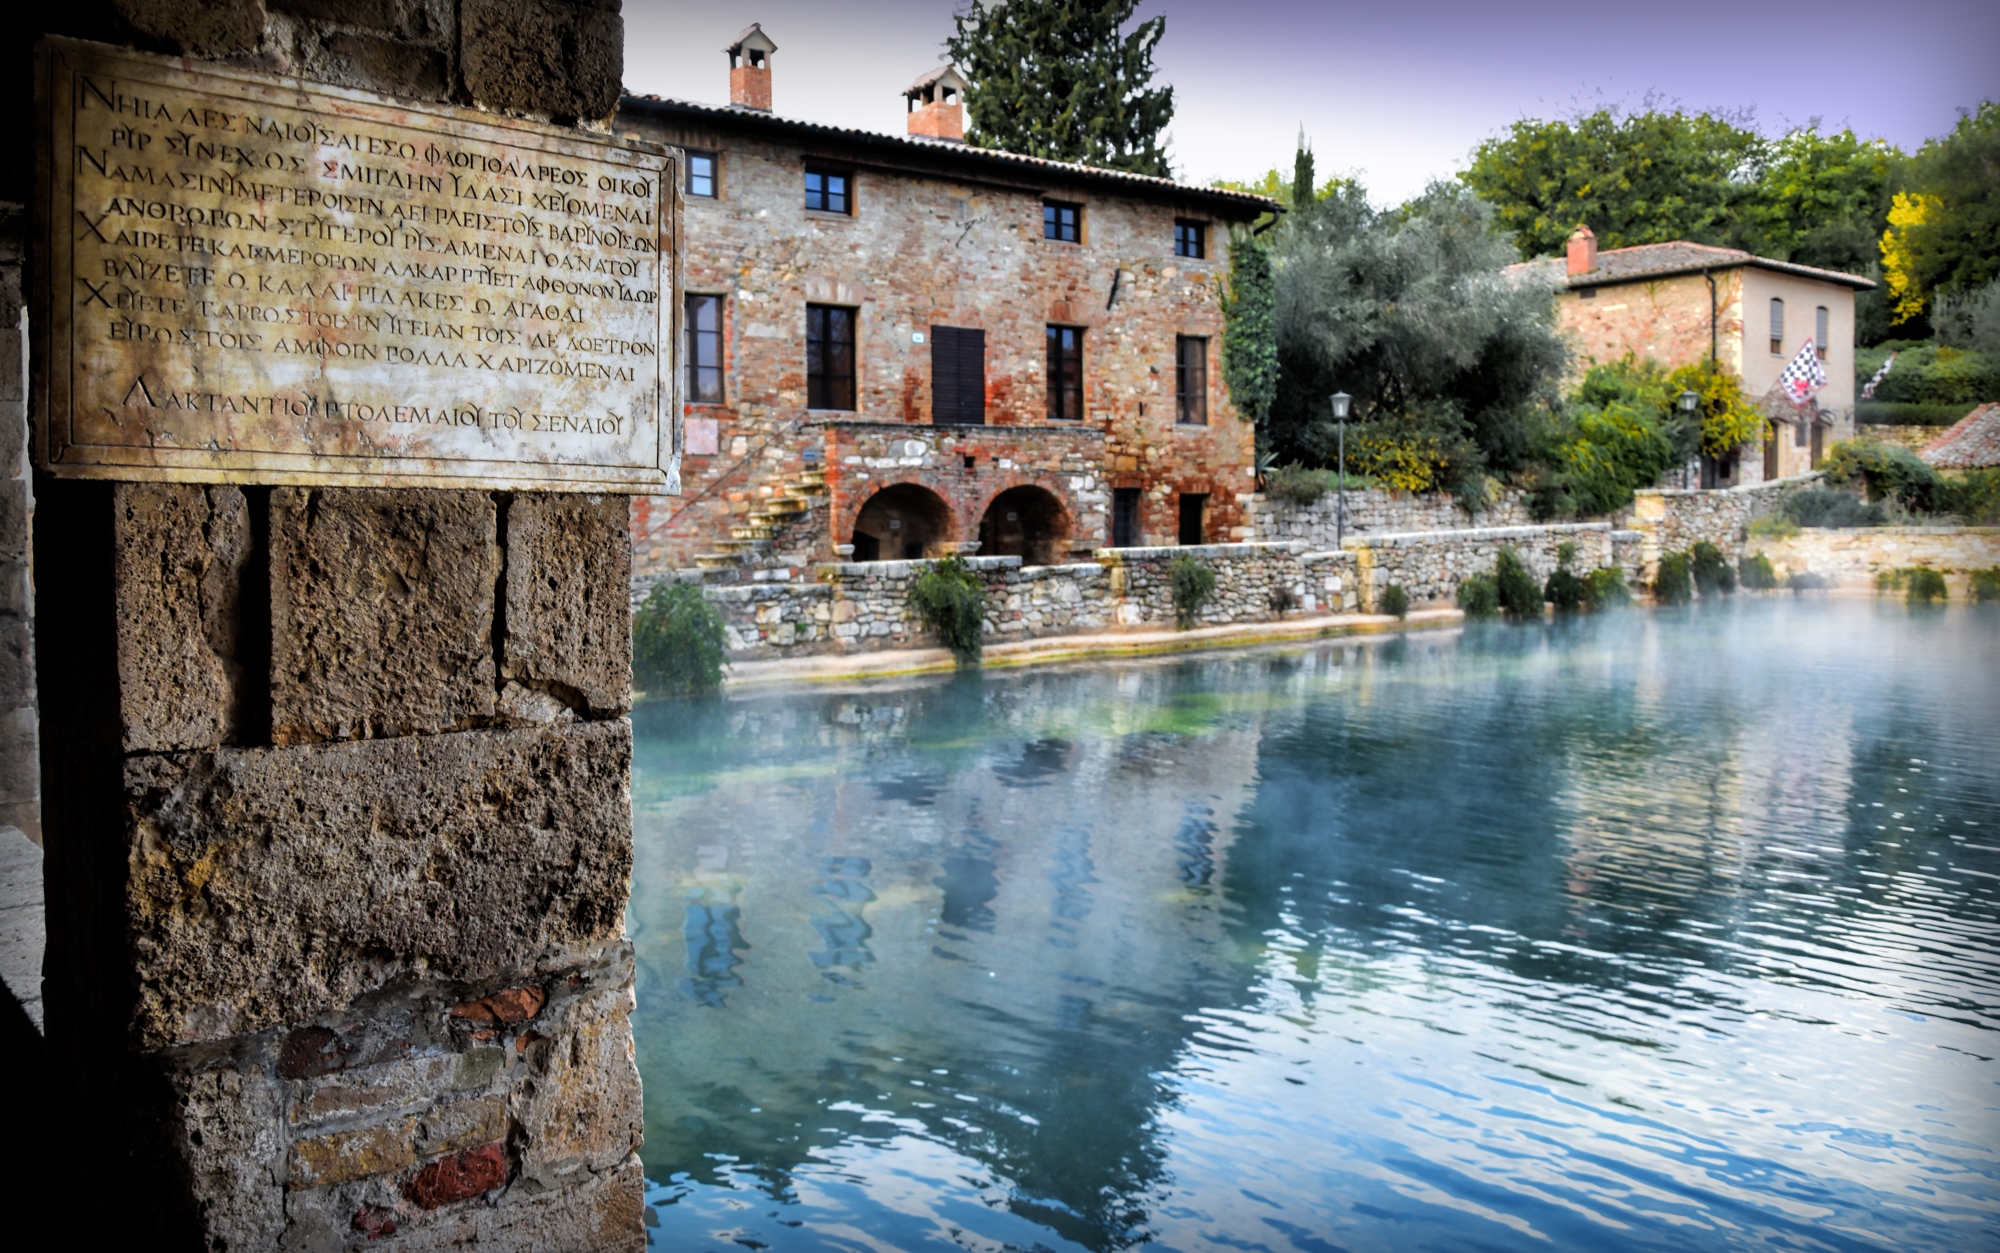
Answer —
(1868, 392)
(1803, 378)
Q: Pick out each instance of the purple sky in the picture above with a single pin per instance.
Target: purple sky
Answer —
(1396, 93)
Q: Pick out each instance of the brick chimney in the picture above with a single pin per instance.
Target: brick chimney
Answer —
(750, 69)
(937, 105)
(1582, 250)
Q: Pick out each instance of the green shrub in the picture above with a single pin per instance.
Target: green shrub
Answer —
(1520, 595)
(1831, 507)
(1712, 574)
(1807, 581)
(1973, 497)
(1930, 373)
(1902, 413)
(1605, 589)
(1777, 526)
(1564, 588)
(1479, 596)
(1674, 583)
(678, 642)
(1756, 572)
(1887, 472)
(950, 599)
(1922, 585)
(1193, 582)
(1394, 601)
(1986, 584)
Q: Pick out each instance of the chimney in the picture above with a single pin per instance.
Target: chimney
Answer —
(1582, 250)
(936, 104)
(750, 69)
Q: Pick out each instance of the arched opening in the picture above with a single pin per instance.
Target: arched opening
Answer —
(901, 522)
(1025, 522)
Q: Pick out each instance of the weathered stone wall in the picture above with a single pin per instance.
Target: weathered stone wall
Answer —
(20, 787)
(1429, 566)
(1673, 520)
(337, 787)
(932, 241)
(1852, 557)
(1376, 510)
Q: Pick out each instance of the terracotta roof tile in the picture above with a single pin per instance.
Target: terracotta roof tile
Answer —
(1972, 443)
(1645, 261)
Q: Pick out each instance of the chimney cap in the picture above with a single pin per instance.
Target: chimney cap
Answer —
(752, 39)
(939, 78)
(1583, 231)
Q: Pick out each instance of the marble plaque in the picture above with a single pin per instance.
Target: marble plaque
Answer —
(247, 279)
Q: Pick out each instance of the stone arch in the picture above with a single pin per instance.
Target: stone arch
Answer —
(901, 522)
(1025, 521)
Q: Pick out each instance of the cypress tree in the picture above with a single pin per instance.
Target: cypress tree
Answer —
(1055, 79)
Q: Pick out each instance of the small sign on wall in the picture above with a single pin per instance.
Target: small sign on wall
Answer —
(252, 279)
(702, 439)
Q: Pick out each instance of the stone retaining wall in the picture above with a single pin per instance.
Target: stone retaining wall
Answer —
(1852, 557)
(1674, 520)
(1377, 511)
(1430, 565)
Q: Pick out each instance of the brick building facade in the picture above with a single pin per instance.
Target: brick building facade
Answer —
(1055, 330)
(1676, 303)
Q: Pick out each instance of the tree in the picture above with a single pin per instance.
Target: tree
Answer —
(1249, 347)
(1055, 79)
(1944, 234)
(1820, 199)
(1638, 178)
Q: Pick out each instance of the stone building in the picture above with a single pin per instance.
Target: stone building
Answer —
(1675, 303)
(901, 345)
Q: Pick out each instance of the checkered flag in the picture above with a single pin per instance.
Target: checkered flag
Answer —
(1868, 392)
(1804, 377)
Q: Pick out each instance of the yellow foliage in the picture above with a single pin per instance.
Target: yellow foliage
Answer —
(1906, 294)
(1728, 419)
(1408, 465)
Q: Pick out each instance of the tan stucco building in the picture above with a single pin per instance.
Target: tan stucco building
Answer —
(1678, 302)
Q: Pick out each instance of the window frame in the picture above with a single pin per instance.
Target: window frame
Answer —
(1197, 231)
(1200, 511)
(1822, 327)
(714, 159)
(1777, 326)
(1055, 351)
(1052, 226)
(824, 171)
(818, 383)
(694, 336)
(1190, 393)
(1126, 503)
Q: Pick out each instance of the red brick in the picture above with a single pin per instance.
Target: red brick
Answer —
(459, 1176)
(510, 1005)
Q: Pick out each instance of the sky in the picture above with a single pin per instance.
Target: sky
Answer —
(1396, 94)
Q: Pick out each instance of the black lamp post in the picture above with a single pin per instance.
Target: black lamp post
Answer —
(1689, 401)
(1341, 400)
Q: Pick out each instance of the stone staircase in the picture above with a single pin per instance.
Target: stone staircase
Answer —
(751, 539)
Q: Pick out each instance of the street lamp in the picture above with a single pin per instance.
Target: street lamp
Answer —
(1341, 400)
(1689, 401)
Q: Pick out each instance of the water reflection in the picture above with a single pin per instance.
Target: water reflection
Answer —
(1651, 931)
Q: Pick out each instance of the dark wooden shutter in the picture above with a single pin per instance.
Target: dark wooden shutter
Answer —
(958, 376)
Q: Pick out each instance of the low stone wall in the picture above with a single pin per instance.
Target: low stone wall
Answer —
(1673, 520)
(1852, 557)
(1378, 511)
(1430, 565)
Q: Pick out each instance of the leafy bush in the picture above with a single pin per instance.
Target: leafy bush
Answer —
(678, 642)
(1520, 595)
(1605, 589)
(1922, 585)
(1300, 485)
(1565, 589)
(1986, 584)
(1729, 419)
(950, 599)
(1394, 601)
(1929, 373)
(1973, 497)
(1674, 583)
(1887, 472)
(1479, 596)
(1777, 526)
(1807, 581)
(1193, 582)
(1756, 572)
(1282, 600)
(1830, 507)
(1897, 413)
(1711, 571)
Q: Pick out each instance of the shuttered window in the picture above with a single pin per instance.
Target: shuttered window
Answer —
(1777, 326)
(958, 375)
(829, 357)
(1820, 328)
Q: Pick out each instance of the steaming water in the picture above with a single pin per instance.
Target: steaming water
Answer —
(1655, 931)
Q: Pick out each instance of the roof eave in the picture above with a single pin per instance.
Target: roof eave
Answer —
(1575, 282)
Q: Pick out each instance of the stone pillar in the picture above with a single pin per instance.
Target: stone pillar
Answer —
(336, 800)
(19, 790)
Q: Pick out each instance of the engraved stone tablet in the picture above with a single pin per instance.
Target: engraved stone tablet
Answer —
(252, 280)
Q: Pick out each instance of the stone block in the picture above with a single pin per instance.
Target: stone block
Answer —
(568, 600)
(228, 1138)
(381, 612)
(384, 63)
(564, 58)
(388, 1148)
(377, 14)
(267, 886)
(202, 28)
(182, 553)
(581, 1115)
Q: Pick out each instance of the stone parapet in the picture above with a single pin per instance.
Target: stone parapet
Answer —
(1673, 520)
(1851, 558)
(1377, 510)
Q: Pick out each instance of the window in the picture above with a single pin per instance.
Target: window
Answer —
(1193, 506)
(1062, 221)
(958, 376)
(829, 357)
(1777, 326)
(701, 174)
(1820, 320)
(1124, 517)
(704, 350)
(829, 191)
(1191, 379)
(1065, 373)
(1190, 238)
